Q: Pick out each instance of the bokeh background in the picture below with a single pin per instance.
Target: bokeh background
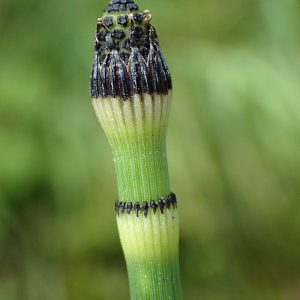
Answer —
(233, 148)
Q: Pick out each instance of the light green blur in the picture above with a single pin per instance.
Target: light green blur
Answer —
(233, 150)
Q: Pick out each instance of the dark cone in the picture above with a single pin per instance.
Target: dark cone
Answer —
(128, 59)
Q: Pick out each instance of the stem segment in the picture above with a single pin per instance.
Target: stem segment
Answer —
(150, 246)
(136, 129)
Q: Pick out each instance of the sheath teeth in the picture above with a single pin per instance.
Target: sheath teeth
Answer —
(160, 203)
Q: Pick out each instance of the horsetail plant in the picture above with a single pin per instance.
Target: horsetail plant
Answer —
(131, 94)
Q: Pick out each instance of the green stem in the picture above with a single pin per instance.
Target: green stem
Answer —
(136, 129)
(151, 252)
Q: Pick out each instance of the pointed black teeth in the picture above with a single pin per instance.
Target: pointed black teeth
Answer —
(122, 207)
(161, 205)
(173, 200)
(129, 207)
(145, 208)
(137, 208)
(153, 206)
(167, 202)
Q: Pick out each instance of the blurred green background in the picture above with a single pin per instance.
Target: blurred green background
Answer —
(233, 148)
